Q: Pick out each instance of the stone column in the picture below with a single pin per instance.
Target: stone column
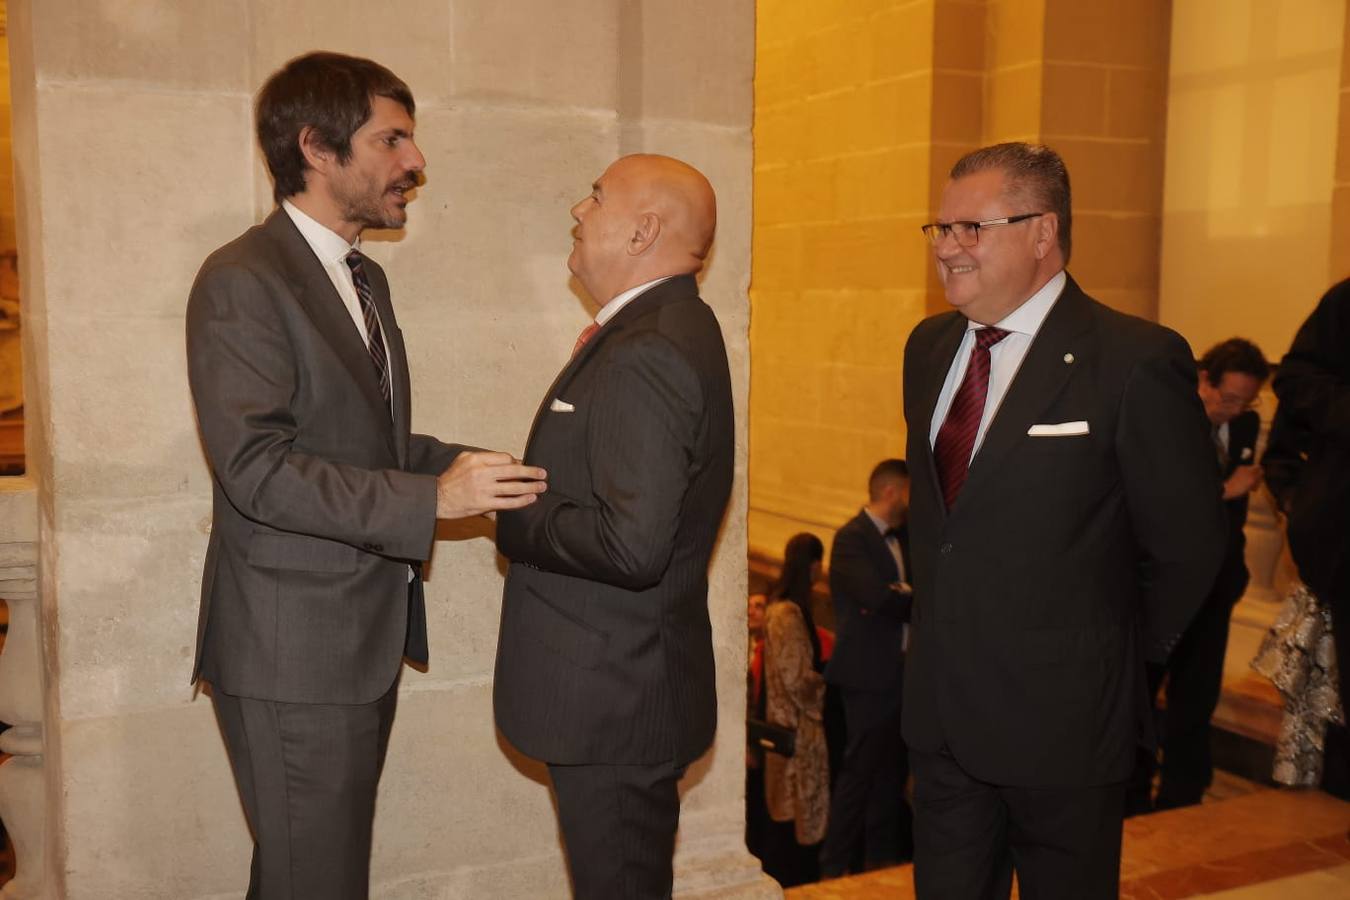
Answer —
(136, 160)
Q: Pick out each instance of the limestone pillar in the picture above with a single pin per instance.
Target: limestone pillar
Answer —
(135, 158)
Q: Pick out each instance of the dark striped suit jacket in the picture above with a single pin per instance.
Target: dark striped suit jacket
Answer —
(605, 654)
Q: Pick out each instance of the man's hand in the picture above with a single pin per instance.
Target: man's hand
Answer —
(480, 481)
(1243, 481)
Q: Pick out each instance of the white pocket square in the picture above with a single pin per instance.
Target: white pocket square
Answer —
(1063, 429)
(561, 406)
(1246, 452)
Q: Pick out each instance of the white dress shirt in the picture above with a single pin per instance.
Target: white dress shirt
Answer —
(332, 250)
(611, 309)
(1005, 357)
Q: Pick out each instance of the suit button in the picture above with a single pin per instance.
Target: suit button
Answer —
(945, 549)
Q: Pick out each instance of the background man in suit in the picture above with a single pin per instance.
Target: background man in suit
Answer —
(869, 575)
(322, 496)
(605, 661)
(1065, 507)
(1231, 376)
(1313, 385)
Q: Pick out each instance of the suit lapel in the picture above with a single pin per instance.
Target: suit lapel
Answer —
(1050, 362)
(681, 287)
(315, 292)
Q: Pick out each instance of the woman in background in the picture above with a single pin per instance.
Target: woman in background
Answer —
(796, 788)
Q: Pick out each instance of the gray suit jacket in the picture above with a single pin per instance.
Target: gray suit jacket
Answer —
(321, 496)
(605, 654)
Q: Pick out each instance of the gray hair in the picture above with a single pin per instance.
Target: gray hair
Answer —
(1035, 173)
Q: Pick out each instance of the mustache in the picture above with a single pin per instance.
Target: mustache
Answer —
(411, 179)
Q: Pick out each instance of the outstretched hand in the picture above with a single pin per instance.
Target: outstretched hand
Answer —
(481, 481)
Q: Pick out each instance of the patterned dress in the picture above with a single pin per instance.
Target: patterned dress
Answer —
(796, 789)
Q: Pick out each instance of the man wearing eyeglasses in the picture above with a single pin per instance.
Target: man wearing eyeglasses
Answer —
(1065, 523)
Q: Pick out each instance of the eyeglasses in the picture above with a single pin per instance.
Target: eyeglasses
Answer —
(967, 234)
(1238, 402)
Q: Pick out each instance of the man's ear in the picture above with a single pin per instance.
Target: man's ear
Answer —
(1047, 234)
(645, 235)
(318, 155)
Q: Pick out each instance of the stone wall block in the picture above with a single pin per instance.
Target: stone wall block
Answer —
(691, 61)
(1116, 251)
(119, 252)
(959, 35)
(958, 107)
(536, 51)
(200, 46)
(1136, 105)
(1013, 105)
(96, 362)
(1115, 176)
(1016, 32)
(1074, 101)
(902, 39)
(413, 38)
(1129, 34)
(151, 810)
(130, 580)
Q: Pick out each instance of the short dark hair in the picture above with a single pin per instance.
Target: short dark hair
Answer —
(1036, 173)
(1234, 355)
(886, 470)
(331, 93)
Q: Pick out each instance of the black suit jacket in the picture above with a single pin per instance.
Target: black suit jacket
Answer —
(868, 654)
(1233, 576)
(1313, 384)
(321, 494)
(605, 652)
(1032, 593)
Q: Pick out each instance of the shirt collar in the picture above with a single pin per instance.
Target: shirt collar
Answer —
(1028, 318)
(611, 309)
(329, 246)
(881, 525)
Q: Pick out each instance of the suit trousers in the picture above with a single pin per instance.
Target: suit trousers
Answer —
(307, 774)
(970, 836)
(1194, 679)
(618, 825)
(867, 807)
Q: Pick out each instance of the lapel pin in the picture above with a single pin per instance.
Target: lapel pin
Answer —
(1068, 358)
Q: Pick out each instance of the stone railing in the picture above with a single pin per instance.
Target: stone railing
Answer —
(21, 775)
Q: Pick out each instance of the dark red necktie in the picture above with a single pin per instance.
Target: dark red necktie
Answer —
(586, 334)
(374, 337)
(956, 438)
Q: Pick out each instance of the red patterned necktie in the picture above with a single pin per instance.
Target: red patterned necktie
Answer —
(956, 438)
(374, 337)
(586, 334)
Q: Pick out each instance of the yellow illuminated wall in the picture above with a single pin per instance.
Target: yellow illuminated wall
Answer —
(1251, 155)
(843, 141)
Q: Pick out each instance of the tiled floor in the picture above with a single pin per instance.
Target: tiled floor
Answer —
(1273, 844)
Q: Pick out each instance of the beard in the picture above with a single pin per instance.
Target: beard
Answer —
(376, 205)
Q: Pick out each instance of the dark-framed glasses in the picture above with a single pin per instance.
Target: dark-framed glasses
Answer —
(967, 234)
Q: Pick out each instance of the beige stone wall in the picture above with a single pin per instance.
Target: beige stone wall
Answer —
(136, 159)
(1254, 97)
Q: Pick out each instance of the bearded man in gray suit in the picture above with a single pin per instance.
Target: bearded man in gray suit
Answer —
(325, 503)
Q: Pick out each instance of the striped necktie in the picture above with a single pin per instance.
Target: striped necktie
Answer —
(379, 358)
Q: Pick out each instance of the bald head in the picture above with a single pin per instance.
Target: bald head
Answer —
(647, 217)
